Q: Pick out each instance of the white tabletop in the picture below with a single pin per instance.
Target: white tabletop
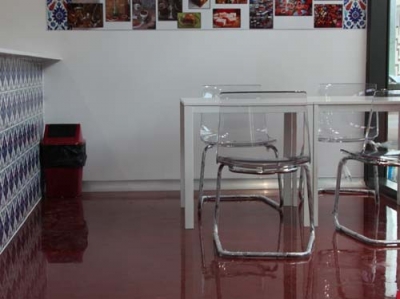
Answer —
(313, 100)
(353, 100)
(247, 102)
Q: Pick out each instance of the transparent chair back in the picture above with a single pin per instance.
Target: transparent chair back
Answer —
(247, 122)
(209, 121)
(345, 126)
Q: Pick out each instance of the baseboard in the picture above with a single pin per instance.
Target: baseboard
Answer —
(209, 184)
(331, 183)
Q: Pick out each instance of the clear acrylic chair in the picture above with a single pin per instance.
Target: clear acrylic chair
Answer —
(247, 122)
(209, 132)
(346, 127)
(375, 154)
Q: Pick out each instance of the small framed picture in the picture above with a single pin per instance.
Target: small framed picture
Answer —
(226, 18)
(328, 15)
(189, 20)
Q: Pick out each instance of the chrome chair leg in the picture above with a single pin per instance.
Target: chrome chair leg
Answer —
(344, 191)
(348, 191)
(279, 175)
(248, 254)
(266, 199)
(310, 199)
(216, 208)
(348, 231)
(201, 181)
(342, 162)
(376, 183)
(355, 191)
(301, 187)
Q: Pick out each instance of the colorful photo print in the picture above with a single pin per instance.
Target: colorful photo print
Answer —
(144, 14)
(226, 18)
(230, 1)
(118, 11)
(328, 15)
(261, 14)
(85, 15)
(57, 14)
(293, 7)
(168, 10)
(189, 20)
(199, 4)
(355, 14)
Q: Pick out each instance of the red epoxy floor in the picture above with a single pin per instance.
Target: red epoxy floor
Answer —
(132, 245)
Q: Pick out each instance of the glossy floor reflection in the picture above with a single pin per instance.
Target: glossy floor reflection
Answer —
(132, 245)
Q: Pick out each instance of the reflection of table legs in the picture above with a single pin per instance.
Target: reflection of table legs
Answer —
(187, 261)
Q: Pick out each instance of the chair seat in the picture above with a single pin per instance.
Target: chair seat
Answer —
(376, 157)
(257, 166)
(213, 139)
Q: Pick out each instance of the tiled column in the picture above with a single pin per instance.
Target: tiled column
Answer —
(21, 128)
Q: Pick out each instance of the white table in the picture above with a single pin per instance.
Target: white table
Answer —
(319, 105)
(190, 106)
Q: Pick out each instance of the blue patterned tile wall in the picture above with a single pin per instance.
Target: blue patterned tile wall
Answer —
(21, 128)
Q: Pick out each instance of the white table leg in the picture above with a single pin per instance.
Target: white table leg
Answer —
(182, 149)
(188, 167)
(314, 126)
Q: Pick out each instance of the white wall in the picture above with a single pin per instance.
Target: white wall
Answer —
(124, 86)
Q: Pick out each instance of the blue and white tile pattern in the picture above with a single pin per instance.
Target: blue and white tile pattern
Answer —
(21, 127)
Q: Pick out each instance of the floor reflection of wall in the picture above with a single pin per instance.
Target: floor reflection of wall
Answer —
(22, 264)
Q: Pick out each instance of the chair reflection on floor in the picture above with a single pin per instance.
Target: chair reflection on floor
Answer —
(351, 256)
(268, 273)
(357, 270)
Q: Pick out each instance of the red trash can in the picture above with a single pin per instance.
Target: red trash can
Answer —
(63, 155)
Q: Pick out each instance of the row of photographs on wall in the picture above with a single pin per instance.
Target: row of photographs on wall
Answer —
(200, 14)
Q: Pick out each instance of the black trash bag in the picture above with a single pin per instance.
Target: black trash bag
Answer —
(63, 156)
